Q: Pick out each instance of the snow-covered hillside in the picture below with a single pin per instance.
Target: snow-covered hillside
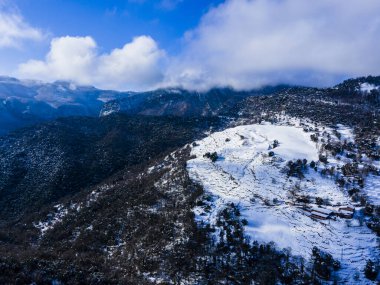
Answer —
(249, 171)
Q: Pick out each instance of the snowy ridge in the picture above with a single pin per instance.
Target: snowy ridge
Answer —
(246, 174)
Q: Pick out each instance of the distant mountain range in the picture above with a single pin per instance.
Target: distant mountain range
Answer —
(24, 103)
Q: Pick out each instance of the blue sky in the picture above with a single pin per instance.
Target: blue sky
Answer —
(194, 44)
(111, 22)
(114, 22)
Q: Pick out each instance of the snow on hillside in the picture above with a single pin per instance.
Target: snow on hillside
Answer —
(345, 133)
(367, 87)
(372, 189)
(53, 219)
(248, 176)
(61, 211)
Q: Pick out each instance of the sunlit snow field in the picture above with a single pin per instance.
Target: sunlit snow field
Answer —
(246, 175)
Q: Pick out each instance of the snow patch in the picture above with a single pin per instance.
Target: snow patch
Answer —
(367, 87)
(53, 219)
(346, 133)
(372, 189)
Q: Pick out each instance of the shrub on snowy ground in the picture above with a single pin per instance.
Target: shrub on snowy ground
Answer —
(368, 210)
(334, 148)
(374, 224)
(353, 191)
(212, 156)
(303, 199)
(314, 137)
(324, 263)
(323, 159)
(296, 168)
(318, 200)
(371, 270)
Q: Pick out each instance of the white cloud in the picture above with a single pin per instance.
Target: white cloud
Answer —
(69, 58)
(246, 43)
(135, 66)
(14, 30)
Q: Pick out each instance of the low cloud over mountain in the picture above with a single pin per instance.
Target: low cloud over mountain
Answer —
(134, 66)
